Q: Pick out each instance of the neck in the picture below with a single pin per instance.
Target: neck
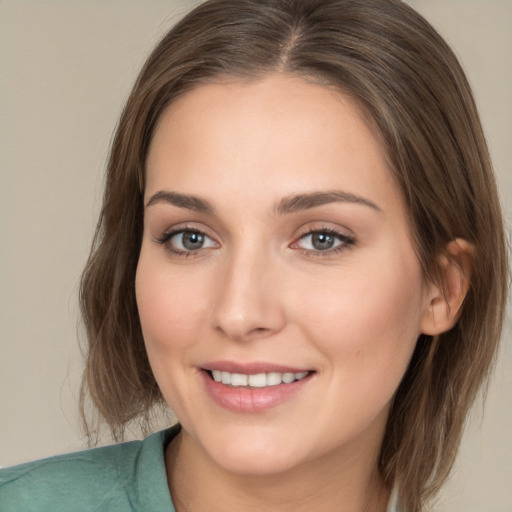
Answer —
(197, 483)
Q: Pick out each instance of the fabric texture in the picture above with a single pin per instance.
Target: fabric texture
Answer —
(120, 478)
(127, 477)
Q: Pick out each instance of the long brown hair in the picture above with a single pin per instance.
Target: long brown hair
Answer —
(403, 74)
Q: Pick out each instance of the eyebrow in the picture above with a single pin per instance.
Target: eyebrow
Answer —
(301, 202)
(186, 201)
(290, 204)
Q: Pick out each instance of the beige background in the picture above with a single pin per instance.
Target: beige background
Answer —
(65, 69)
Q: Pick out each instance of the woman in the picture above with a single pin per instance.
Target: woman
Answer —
(293, 254)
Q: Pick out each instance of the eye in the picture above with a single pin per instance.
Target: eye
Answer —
(323, 240)
(186, 241)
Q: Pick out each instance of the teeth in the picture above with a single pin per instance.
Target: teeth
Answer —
(257, 380)
(238, 379)
(288, 377)
(273, 379)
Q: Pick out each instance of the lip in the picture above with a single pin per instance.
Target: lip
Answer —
(251, 400)
(251, 368)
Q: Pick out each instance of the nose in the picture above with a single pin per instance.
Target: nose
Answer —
(249, 302)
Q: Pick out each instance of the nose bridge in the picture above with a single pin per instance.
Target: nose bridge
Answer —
(247, 300)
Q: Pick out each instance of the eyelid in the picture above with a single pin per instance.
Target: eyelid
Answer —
(168, 234)
(347, 240)
(179, 228)
(183, 232)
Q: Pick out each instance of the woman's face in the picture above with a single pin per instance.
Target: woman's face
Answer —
(276, 249)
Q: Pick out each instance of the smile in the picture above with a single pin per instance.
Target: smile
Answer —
(253, 388)
(257, 380)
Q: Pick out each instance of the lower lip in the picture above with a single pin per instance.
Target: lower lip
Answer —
(251, 400)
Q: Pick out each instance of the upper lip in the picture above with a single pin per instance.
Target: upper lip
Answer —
(251, 368)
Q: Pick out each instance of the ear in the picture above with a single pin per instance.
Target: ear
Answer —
(446, 297)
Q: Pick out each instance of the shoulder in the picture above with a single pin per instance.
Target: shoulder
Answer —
(63, 480)
(108, 478)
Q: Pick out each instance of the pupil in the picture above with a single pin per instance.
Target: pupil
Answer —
(192, 240)
(322, 241)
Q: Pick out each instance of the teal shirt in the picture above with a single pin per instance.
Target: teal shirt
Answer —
(120, 478)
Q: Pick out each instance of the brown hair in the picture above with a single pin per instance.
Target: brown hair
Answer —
(387, 57)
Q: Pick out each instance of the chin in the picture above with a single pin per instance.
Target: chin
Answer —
(256, 464)
(255, 453)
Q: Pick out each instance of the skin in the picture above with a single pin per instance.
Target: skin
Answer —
(258, 290)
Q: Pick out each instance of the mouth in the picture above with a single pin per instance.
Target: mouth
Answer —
(253, 388)
(256, 380)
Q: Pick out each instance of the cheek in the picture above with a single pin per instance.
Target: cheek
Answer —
(170, 307)
(367, 318)
(170, 313)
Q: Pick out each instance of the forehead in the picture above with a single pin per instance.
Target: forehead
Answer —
(281, 131)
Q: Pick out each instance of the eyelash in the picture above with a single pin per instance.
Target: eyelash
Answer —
(167, 236)
(345, 242)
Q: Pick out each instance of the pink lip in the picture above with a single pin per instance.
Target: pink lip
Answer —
(251, 368)
(251, 400)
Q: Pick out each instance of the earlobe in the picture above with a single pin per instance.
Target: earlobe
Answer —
(446, 297)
